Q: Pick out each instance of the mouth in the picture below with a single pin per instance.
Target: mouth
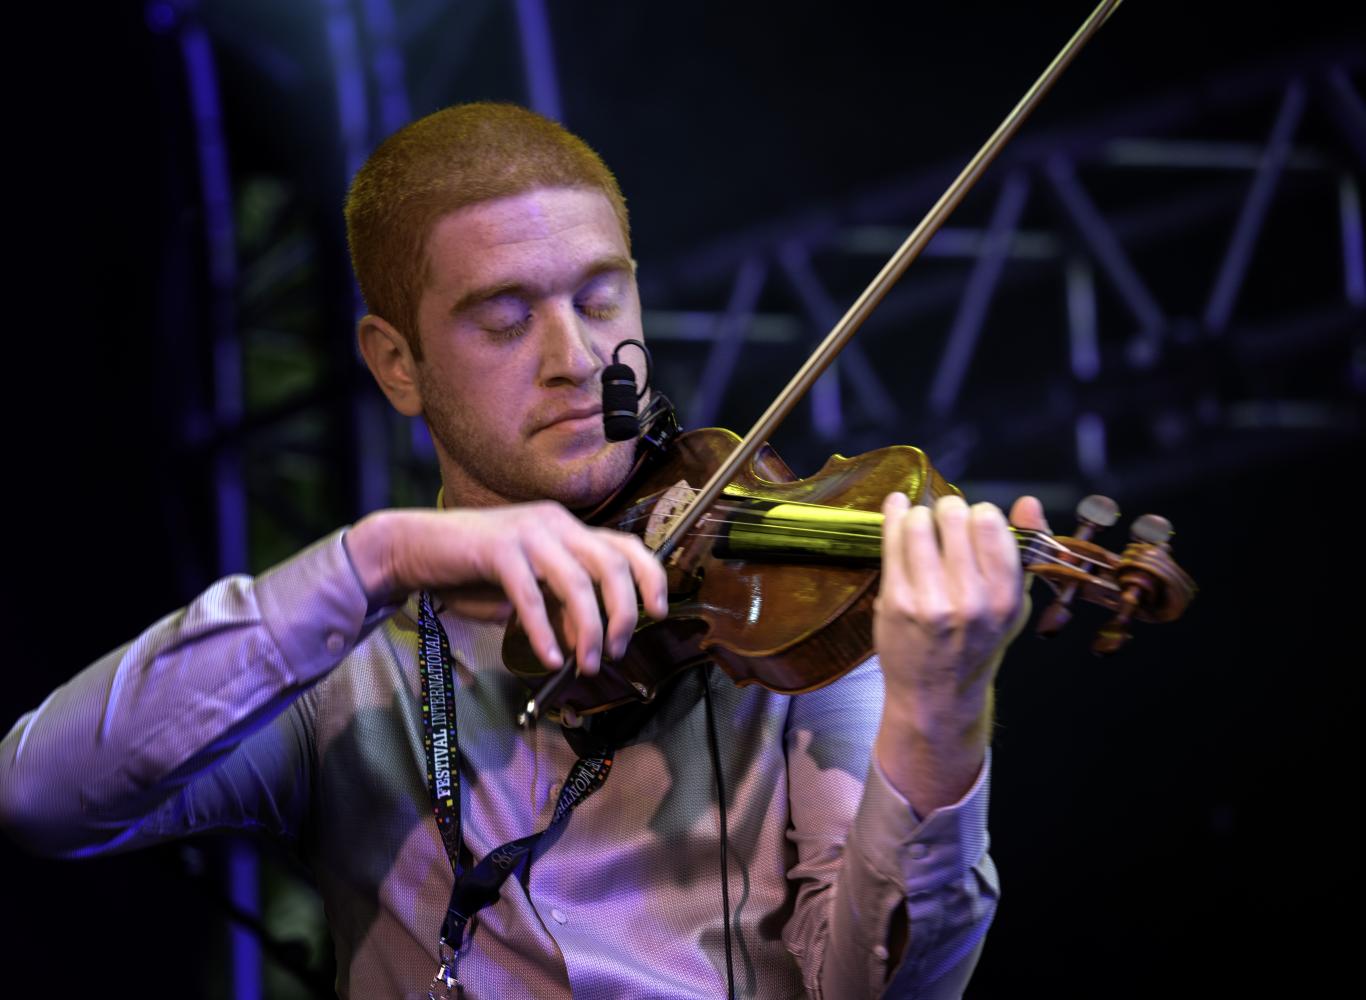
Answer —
(574, 420)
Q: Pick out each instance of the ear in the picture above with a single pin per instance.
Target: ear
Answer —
(390, 359)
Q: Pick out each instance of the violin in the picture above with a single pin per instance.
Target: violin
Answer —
(776, 583)
(772, 577)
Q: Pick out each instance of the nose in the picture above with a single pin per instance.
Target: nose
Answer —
(568, 354)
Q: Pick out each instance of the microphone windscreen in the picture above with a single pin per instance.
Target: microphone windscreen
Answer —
(619, 421)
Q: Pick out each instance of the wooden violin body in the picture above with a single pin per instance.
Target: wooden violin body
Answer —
(784, 622)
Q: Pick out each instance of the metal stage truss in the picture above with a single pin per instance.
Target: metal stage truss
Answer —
(1146, 302)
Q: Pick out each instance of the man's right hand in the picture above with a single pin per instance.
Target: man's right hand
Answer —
(461, 553)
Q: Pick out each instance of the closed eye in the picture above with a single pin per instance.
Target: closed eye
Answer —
(600, 297)
(511, 332)
(504, 317)
(598, 309)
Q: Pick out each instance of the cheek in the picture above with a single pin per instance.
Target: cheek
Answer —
(465, 374)
(448, 391)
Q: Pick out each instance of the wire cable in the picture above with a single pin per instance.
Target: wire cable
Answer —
(721, 805)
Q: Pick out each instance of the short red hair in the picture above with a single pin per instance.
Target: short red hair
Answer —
(455, 157)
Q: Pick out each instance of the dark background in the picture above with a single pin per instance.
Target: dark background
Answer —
(1175, 821)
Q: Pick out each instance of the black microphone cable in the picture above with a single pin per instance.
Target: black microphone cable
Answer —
(721, 805)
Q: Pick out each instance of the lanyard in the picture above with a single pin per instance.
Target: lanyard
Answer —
(478, 887)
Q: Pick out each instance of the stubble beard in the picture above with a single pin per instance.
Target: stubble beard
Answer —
(479, 469)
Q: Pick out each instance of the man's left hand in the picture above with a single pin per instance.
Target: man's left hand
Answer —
(951, 598)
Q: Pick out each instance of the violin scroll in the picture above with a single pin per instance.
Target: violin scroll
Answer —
(1143, 583)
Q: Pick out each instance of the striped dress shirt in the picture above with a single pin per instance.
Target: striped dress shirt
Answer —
(282, 703)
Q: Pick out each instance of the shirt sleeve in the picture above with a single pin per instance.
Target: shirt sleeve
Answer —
(888, 904)
(185, 727)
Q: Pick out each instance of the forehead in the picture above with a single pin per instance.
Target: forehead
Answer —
(541, 237)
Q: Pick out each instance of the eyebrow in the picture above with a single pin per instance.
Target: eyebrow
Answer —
(478, 296)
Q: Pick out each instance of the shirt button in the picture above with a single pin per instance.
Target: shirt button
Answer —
(918, 851)
(558, 916)
(880, 952)
(336, 642)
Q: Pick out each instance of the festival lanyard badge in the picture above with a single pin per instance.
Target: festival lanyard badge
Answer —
(480, 885)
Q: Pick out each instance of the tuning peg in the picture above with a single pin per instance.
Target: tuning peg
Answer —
(1093, 513)
(1112, 636)
(1153, 529)
(1150, 529)
(1096, 512)
(1054, 617)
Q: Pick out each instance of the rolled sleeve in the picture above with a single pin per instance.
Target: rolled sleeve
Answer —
(941, 869)
(921, 855)
(889, 903)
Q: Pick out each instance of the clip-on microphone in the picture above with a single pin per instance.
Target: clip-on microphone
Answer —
(619, 396)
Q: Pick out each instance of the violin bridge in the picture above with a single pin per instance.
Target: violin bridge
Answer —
(671, 503)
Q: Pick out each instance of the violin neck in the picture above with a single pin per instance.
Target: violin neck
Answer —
(769, 531)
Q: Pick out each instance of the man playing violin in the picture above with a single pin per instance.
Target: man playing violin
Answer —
(493, 252)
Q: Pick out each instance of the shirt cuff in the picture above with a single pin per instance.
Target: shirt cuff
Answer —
(922, 855)
(315, 608)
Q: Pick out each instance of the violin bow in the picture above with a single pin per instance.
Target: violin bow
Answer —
(873, 295)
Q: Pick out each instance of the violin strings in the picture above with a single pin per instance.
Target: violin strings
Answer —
(646, 508)
(647, 505)
(686, 488)
(1028, 554)
(646, 512)
(1024, 536)
(1032, 541)
(1036, 559)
